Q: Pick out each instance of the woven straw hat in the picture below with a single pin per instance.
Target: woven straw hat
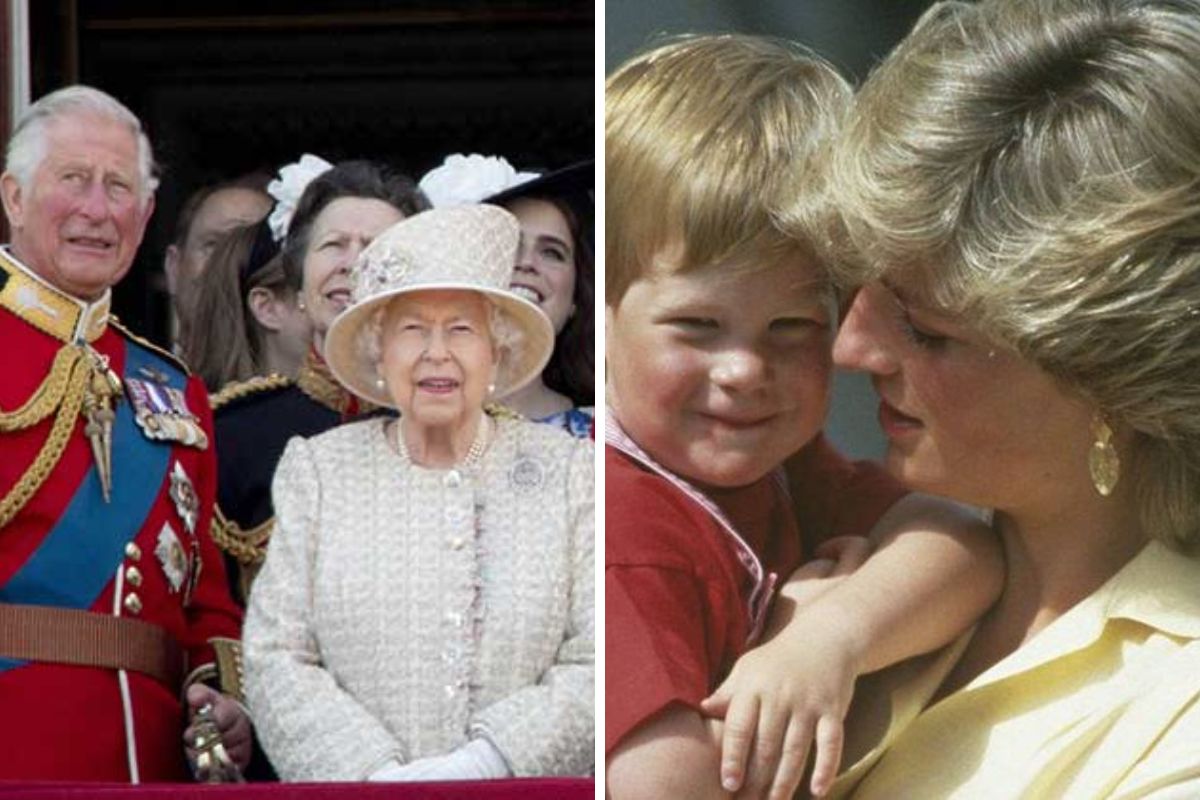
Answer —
(470, 247)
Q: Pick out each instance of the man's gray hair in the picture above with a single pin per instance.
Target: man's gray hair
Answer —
(27, 147)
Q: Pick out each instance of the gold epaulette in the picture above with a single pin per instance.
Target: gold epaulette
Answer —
(318, 383)
(236, 390)
(146, 343)
(500, 411)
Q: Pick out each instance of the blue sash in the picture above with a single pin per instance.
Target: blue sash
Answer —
(80, 554)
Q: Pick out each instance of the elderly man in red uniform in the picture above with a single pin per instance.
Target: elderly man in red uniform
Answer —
(114, 610)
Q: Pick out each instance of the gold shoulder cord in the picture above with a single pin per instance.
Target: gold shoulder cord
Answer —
(247, 546)
(239, 389)
(315, 380)
(63, 389)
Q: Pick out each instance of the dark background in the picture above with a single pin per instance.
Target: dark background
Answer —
(227, 87)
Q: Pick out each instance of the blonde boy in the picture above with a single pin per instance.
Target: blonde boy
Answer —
(718, 331)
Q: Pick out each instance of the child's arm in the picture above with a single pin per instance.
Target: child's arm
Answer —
(675, 754)
(935, 570)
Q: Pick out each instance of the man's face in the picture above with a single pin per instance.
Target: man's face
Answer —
(79, 222)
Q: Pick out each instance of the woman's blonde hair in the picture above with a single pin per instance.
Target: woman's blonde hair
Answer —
(1034, 166)
(713, 145)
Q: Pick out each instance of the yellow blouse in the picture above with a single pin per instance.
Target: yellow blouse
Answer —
(1104, 702)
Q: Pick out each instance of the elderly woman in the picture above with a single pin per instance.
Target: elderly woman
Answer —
(425, 611)
(1021, 186)
(329, 213)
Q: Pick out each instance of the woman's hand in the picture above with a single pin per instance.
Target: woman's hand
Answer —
(230, 718)
(792, 691)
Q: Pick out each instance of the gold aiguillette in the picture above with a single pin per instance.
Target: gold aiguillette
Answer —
(103, 390)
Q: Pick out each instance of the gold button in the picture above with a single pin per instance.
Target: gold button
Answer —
(133, 603)
(132, 551)
(134, 576)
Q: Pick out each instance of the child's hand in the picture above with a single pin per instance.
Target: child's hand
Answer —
(785, 694)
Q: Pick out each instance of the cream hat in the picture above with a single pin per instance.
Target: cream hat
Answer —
(470, 247)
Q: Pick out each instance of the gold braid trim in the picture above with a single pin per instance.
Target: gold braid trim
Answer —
(46, 397)
(69, 403)
(247, 546)
(149, 345)
(239, 389)
(230, 672)
(316, 381)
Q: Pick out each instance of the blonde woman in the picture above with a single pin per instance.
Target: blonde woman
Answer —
(1021, 185)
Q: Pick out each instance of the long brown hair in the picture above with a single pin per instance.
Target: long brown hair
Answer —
(225, 341)
(572, 367)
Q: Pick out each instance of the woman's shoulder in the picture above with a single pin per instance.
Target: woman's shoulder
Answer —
(355, 432)
(347, 442)
(537, 455)
(526, 433)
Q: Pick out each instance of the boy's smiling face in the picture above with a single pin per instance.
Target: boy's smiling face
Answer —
(719, 375)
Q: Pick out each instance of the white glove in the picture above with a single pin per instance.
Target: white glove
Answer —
(477, 760)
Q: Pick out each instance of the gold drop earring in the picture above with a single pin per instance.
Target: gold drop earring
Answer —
(1104, 464)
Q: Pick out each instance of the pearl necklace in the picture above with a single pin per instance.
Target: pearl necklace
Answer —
(474, 452)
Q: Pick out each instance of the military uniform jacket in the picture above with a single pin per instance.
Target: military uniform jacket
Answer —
(145, 553)
(254, 420)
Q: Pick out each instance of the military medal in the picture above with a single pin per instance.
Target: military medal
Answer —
(187, 505)
(172, 558)
(183, 494)
(103, 388)
(194, 566)
(162, 412)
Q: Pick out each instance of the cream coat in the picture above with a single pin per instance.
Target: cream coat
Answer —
(402, 611)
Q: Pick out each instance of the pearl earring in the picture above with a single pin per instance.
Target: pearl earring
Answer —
(379, 384)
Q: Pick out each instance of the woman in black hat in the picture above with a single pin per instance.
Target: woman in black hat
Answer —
(555, 268)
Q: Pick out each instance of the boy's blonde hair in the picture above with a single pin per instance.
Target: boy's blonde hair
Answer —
(1034, 167)
(713, 151)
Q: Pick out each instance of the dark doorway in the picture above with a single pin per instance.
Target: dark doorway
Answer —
(227, 87)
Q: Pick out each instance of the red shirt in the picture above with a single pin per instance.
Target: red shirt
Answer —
(680, 592)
